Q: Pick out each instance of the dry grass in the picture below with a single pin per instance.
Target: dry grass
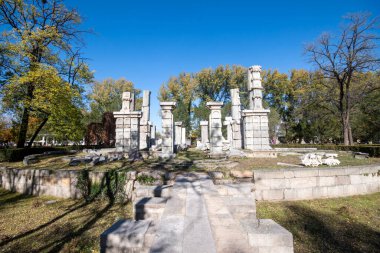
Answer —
(32, 224)
(349, 224)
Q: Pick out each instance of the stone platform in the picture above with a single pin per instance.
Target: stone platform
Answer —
(198, 216)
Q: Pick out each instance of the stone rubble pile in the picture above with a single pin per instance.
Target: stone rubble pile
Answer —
(316, 159)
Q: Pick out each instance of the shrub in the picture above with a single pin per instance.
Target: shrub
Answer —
(111, 187)
(18, 154)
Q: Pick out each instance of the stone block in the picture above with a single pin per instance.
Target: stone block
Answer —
(305, 172)
(264, 174)
(270, 236)
(325, 181)
(343, 180)
(332, 172)
(336, 191)
(272, 183)
(373, 187)
(298, 194)
(320, 192)
(273, 194)
(302, 182)
(124, 236)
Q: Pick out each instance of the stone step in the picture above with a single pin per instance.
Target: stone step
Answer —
(184, 226)
(149, 208)
(124, 236)
(268, 236)
(198, 217)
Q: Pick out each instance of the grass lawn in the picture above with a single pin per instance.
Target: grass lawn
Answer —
(349, 224)
(183, 161)
(47, 224)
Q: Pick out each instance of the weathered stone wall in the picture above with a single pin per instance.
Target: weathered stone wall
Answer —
(304, 183)
(61, 183)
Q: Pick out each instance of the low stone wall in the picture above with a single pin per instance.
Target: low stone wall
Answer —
(313, 183)
(58, 183)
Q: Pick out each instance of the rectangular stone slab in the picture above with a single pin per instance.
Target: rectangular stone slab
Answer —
(124, 236)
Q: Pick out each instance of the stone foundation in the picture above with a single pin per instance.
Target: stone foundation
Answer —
(61, 183)
(305, 183)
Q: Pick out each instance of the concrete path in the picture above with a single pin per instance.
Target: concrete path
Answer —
(197, 219)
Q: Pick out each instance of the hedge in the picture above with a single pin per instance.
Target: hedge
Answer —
(372, 150)
(18, 154)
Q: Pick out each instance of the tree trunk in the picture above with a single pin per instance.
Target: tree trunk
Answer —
(37, 131)
(25, 120)
(346, 126)
(23, 128)
(350, 134)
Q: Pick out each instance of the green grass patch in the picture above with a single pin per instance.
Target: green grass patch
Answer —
(32, 224)
(349, 224)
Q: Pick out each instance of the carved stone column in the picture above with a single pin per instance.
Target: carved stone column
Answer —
(215, 127)
(255, 120)
(167, 129)
(204, 132)
(237, 137)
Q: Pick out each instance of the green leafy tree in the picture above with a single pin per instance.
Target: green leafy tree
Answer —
(54, 102)
(38, 35)
(105, 96)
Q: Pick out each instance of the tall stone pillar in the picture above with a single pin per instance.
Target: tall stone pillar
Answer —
(144, 123)
(255, 120)
(152, 135)
(167, 129)
(127, 126)
(215, 127)
(204, 132)
(228, 123)
(183, 139)
(236, 138)
(177, 134)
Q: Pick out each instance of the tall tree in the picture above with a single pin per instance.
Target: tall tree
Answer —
(36, 34)
(105, 96)
(182, 90)
(342, 59)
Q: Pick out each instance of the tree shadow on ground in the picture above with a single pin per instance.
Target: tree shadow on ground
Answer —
(325, 232)
(64, 227)
(7, 198)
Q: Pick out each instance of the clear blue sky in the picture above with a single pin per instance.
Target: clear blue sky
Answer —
(148, 41)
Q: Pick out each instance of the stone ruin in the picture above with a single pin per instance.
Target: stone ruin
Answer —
(134, 131)
(246, 129)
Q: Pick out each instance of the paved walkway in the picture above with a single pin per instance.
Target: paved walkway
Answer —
(198, 219)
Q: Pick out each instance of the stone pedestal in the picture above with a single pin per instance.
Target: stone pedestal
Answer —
(215, 127)
(255, 120)
(256, 129)
(236, 128)
(127, 127)
(167, 129)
